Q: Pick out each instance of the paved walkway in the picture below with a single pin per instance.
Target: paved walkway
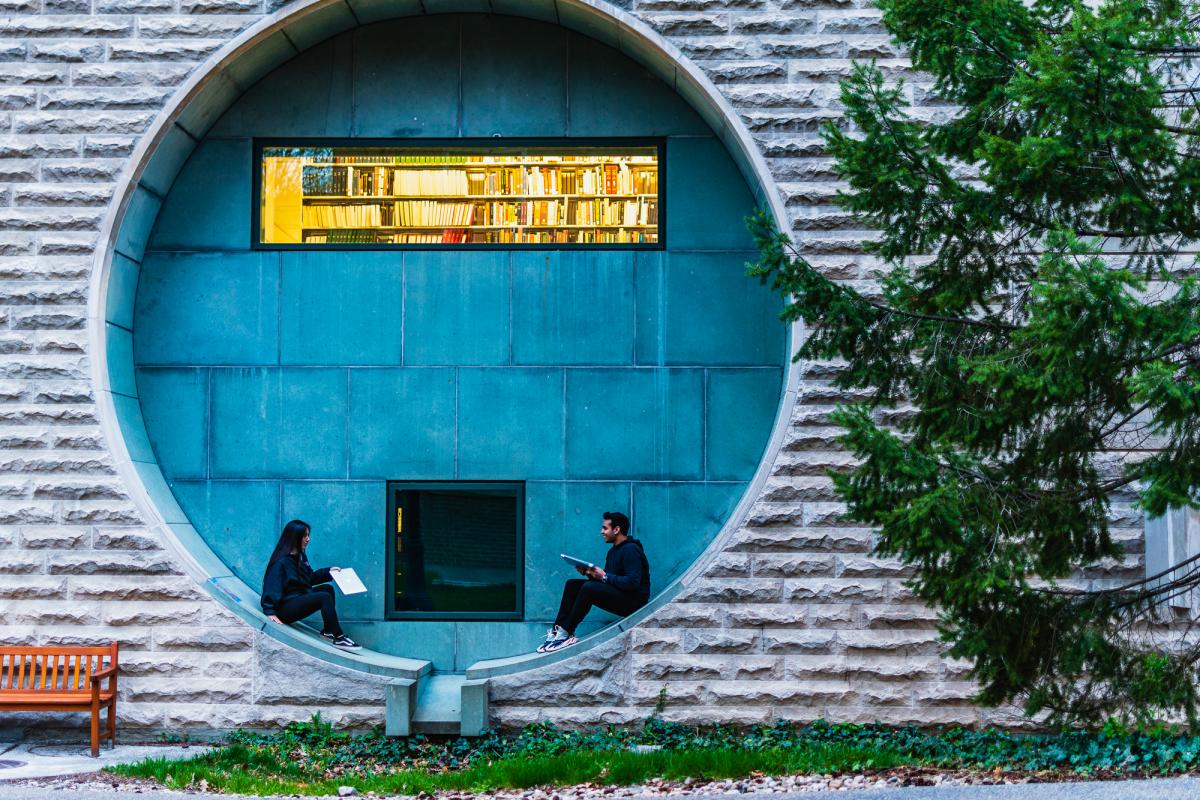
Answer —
(1163, 789)
(31, 760)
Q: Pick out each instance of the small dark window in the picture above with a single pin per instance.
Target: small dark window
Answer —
(455, 550)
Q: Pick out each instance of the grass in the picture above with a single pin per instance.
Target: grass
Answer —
(238, 769)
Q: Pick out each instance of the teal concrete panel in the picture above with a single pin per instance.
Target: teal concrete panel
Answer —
(133, 429)
(510, 423)
(741, 409)
(341, 310)
(573, 307)
(456, 308)
(432, 641)
(316, 27)
(169, 157)
(213, 211)
(238, 519)
(175, 408)
(208, 308)
(406, 77)
(589, 22)
(279, 105)
(374, 10)
(676, 522)
(348, 520)
(208, 104)
(122, 290)
(676, 290)
(611, 95)
(564, 517)
(160, 493)
(514, 75)
(279, 423)
(118, 347)
(261, 59)
(708, 197)
(635, 423)
(140, 217)
(475, 641)
(536, 9)
(402, 423)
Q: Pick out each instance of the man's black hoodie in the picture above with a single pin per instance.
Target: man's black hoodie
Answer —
(627, 569)
(289, 576)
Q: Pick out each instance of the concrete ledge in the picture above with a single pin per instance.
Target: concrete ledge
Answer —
(495, 667)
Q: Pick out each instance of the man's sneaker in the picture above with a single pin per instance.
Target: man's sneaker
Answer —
(564, 640)
(328, 636)
(346, 643)
(551, 635)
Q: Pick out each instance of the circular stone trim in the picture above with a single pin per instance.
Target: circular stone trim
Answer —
(215, 85)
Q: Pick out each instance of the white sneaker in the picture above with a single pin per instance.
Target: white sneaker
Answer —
(551, 635)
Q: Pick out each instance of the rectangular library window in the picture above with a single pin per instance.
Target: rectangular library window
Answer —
(458, 195)
(456, 550)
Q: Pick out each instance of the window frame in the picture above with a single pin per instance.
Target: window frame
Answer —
(390, 612)
(256, 188)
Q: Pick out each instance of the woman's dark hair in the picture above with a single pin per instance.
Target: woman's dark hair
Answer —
(618, 520)
(289, 540)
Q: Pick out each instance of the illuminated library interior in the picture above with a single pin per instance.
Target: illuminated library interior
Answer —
(459, 195)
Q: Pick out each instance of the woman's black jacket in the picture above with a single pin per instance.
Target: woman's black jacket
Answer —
(289, 576)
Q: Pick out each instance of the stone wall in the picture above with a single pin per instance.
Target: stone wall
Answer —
(795, 620)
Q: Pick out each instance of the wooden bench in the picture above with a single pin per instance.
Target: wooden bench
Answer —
(62, 679)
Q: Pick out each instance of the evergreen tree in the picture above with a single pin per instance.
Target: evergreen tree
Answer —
(1036, 331)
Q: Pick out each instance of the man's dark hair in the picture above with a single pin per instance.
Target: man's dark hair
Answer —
(618, 520)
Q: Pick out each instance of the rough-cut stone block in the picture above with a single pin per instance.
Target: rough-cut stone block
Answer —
(861, 22)
(126, 539)
(28, 587)
(900, 642)
(129, 74)
(163, 51)
(91, 170)
(654, 640)
(204, 638)
(49, 613)
(43, 122)
(786, 565)
(150, 613)
(109, 563)
(797, 641)
(745, 71)
(66, 26)
(220, 6)
(222, 27)
(836, 591)
(140, 97)
(721, 641)
(733, 591)
(773, 23)
(92, 489)
(688, 615)
(674, 668)
(66, 51)
(93, 637)
(908, 615)
(33, 75)
(778, 693)
(873, 568)
(134, 6)
(55, 538)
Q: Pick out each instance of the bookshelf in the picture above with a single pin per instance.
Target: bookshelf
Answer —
(464, 195)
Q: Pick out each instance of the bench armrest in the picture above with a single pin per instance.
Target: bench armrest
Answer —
(107, 672)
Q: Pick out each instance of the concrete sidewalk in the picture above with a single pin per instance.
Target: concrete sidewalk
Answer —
(1163, 789)
(19, 760)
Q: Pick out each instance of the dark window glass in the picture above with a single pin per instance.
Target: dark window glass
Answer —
(456, 550)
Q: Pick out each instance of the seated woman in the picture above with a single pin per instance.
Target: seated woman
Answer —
(292, 590)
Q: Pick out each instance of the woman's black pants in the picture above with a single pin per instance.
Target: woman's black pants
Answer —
(301, 605)
(580, 595)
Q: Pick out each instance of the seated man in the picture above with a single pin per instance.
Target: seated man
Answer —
(622, 587)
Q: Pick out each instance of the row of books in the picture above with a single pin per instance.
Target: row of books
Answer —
(609, 179)
(642, 211)
(463, 158)
(462, 236)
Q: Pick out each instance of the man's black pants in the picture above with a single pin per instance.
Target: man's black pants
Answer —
(321, 599)
(580, 595)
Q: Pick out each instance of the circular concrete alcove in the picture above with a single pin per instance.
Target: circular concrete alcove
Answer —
(250, 386)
